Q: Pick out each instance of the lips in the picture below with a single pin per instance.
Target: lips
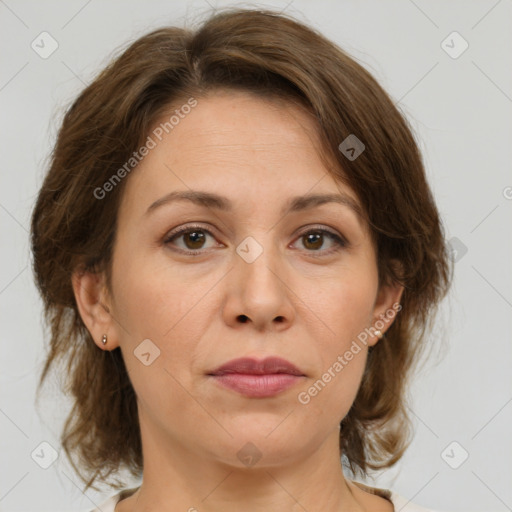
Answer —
(248, 366)
(257, 379)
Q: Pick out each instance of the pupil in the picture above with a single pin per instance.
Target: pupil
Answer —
(312, 239)
(196, 239)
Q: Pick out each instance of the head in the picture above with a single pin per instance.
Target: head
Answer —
(252, 109)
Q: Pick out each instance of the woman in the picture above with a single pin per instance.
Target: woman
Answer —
(240, 257)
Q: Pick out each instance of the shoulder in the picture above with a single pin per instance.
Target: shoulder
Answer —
(405, 505)
(109, 505)
(400, 503)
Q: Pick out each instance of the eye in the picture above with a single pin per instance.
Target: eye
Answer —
(193, 239)
(314, 239)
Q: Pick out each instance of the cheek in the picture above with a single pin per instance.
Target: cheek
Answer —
(153, 299)
(155, 302)
(344, 308)
(331, 392)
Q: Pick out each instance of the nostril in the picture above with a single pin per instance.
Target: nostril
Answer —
(243, 318)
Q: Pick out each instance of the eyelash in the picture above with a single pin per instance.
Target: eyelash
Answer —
(338, 240)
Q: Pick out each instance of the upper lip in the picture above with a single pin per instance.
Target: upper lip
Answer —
(247, 365)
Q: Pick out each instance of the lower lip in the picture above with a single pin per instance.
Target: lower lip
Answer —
(257, 386)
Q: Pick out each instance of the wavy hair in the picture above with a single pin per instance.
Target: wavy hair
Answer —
(274, 56)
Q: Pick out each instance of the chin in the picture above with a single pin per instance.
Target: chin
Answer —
(266, 443)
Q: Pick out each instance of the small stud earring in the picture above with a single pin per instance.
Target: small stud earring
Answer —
(379, 334)
(104, 339)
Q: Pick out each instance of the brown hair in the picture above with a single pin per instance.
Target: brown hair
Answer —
(272, 55)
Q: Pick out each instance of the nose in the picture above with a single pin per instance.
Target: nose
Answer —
(259, 293)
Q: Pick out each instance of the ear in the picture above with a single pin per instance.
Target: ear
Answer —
(387, 305)
(95, 307)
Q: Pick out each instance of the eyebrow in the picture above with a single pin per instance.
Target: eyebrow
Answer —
(295, 204)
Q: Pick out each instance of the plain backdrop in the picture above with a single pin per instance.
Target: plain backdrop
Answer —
(459, 102)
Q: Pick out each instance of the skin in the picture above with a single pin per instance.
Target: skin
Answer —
(306, 309)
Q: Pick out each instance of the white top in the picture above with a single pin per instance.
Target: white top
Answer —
(399, 502)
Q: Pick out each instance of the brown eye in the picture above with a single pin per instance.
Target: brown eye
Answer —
(314, 241)
(191, 239)
(194, 239)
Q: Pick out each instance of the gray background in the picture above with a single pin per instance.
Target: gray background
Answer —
(461, 110)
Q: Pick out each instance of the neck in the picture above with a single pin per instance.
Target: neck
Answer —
(180, 479)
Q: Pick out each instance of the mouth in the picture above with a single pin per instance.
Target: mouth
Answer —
(257, 379)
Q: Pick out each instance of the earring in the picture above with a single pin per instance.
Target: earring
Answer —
(104, 339)
(379, 334)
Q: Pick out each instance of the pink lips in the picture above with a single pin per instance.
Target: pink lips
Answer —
(257, 379)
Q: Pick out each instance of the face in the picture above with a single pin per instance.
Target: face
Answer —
(253, 275)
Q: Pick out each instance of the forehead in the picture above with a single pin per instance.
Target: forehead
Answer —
(235, 121)
(237, 145)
